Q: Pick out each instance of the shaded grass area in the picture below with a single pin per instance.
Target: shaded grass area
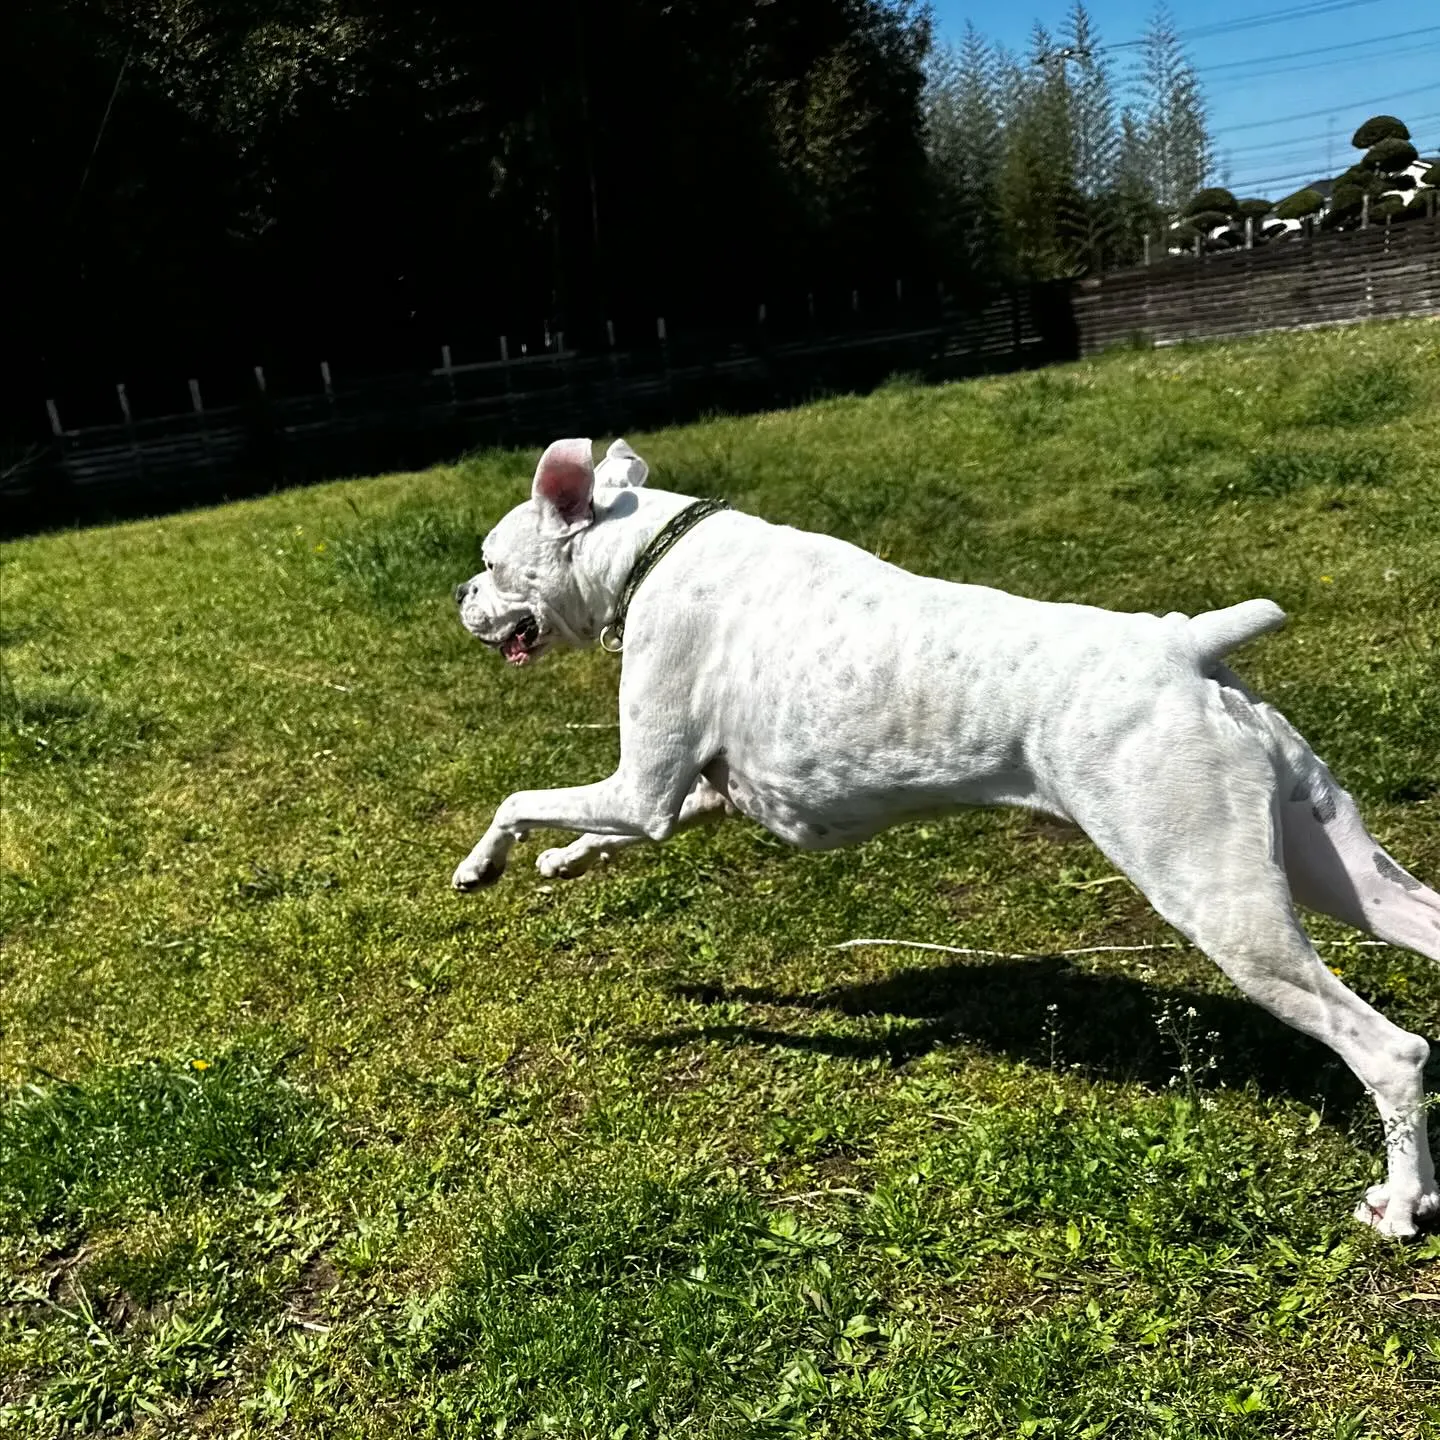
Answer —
(294, 1141)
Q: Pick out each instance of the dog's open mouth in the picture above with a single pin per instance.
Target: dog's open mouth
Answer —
(522, 642)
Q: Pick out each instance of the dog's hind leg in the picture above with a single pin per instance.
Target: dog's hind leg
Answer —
(1205, 849)
(1333, 863)
(1338, 868)
(567, 862)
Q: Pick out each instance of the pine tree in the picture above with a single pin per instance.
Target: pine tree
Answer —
(964, 143)
(1173, 116)
(1039, 200)
(1095, 141)
(1138, 212)
(1092, 107)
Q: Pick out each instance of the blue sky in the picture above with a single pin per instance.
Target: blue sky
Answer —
(1278, 117)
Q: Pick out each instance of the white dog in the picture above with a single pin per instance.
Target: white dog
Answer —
(827, 695)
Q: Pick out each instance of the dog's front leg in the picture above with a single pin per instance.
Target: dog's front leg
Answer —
(640, 806)
(566, 862)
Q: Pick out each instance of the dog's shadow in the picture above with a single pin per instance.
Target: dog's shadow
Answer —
(1049, 1012)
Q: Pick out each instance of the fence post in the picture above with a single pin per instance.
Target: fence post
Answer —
(449, 371)
(810, 304)
(136, 458)
(899, 291)
(263, 430)
(1249, 232)
(1147, 247)
(325, 378)
(1365, 211)
(56, 429)
(612, 389)
(760, 316)
(855, 301)
(509, 388)
(665, 361)
(198, 407)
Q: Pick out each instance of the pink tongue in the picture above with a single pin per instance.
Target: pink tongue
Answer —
(514, 650)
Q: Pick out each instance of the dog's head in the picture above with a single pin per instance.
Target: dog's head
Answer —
(529, 594)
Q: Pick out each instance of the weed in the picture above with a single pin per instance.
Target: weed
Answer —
(419, 553)
(1272, 473)
(1365, 393)
(139, 1135)
(49, 726)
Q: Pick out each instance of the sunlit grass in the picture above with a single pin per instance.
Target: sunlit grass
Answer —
(296, 1141)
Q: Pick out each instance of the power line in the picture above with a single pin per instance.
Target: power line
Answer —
(1293, 142)
(1254, 182)
(1237, 82)
(1272, 17)
(1320, 49)
(1328, 110)
(1252, 22)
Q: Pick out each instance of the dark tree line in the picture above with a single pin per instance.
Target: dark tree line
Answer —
(208, 183)
(195, 187)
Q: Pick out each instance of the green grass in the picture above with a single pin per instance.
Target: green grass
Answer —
(293, 1141)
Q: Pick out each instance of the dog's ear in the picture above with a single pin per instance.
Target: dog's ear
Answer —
(565, 480)
(621, 468)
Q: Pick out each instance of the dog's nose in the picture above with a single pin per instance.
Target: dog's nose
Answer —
(461, 591)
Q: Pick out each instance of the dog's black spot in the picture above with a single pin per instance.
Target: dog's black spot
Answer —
(820, 829)
(1324, 807)
(1301, 793)
(1392, 872)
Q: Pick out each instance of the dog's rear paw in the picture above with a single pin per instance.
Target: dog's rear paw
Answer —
(567, 862)
(472, 874)
(552, 864)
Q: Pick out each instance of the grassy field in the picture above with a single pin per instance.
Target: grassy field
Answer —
(295, 1141)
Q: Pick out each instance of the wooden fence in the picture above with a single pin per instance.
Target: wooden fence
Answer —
(1291, 284)
(369, 425)
(364, 426)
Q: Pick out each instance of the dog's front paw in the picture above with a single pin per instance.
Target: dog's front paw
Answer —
(475, 874)
(1398, 1219)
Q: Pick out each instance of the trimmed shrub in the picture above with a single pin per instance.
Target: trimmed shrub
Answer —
(1390, 156)
(1254, 209)
(1432, 176)
(1300, 204)
(1215, 198)
(1207, 220)
(1386, 207)
(1348, 196)
(1377, 128)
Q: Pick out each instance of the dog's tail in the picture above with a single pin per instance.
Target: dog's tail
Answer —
(1333, 863)
(1217, 632)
